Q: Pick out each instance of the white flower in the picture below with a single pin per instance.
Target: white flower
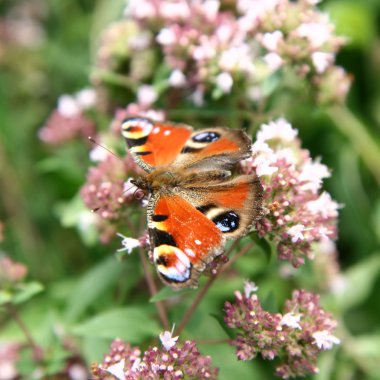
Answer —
(249, 287)
(279, 129)
(322, 61)
(237, 58)
(146, 95)
(317, 33)
(296, 232)
(291, 320)
(210, 8)
(324, 206)
(270, 40)
(98, 154)
(168, 340)
(273, 61)
(117, 370)
(86, 98)
(312, 174)
(263, 165)
(259, 146)
(166, 36)
(128, 243)
(177, 79)
(136, 365)
(139, 9)
(68, 106)
(174, 10)
(324, 340)
(224, 81)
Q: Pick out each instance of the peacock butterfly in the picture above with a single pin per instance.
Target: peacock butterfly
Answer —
(196, 199)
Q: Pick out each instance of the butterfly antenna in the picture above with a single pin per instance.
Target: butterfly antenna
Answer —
(102, 146)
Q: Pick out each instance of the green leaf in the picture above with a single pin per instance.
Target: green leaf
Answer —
(263, 244)
(130, 324)
(5, 297)
(168, 292)
(92, 285)
(269, 303)
(75, 214)
(354, 20)
(26, 292)
(359, 281)
(222, 324)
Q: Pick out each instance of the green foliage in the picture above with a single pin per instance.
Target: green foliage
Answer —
(90, 296)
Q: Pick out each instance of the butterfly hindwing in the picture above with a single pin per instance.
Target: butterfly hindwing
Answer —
(153, 143)
(183, 239)
(189, 228)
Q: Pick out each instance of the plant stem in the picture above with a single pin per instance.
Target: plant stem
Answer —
(153, 290)
(361, 140)
(190, 311)
(15, 315)
(160, 305)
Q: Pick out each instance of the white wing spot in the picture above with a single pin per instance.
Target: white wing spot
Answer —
(167, 133)
(156, 130)
(189, 252)
(198, 242)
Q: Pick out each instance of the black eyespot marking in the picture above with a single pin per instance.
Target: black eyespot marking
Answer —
(205, 208)
(161, 260)
(137, 142)
(159, 218)
(206, 137)
(227, 222)
(159, 237)
(142, 153)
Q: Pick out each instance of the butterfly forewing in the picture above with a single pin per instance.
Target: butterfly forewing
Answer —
(154, 144)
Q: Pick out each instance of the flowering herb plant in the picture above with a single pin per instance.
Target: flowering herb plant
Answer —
(272, 303)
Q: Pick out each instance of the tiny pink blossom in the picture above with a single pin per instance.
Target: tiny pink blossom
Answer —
(177, 78)
(86, 98)
(168, 340)
(318, 33)
(322, 61)
(273, 60)
(325, 340)
(249, 288)
(224, 81)
(296, 233)
(166, 36)
(117, 370)
(271, 40)
(278, 129)
(68, 106)
(129, 244)
(291, 320)
(146, 95)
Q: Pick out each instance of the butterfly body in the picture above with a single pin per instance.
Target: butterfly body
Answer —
(197, 199)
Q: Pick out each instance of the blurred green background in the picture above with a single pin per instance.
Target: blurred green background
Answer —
(49, 52)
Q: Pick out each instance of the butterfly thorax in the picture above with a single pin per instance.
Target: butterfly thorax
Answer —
(169, 177)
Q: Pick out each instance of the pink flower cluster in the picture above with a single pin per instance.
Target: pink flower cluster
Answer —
(11, 272)
(107, 192)
(214, 46)
(297, 212)
(172, 362)
(294, 338)
(69, 121)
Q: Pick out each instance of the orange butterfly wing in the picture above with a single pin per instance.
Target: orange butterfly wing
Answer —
(183, 240)
(152, 143)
